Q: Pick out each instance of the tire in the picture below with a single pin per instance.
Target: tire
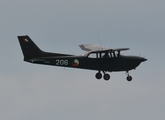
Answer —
(106, 77)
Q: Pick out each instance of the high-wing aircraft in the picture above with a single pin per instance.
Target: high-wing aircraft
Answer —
(101, 59)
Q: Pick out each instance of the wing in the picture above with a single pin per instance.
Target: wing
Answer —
(120, 49)
(109, 50)
(92, 47)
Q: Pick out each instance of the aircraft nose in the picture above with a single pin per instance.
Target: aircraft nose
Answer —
(143, 59)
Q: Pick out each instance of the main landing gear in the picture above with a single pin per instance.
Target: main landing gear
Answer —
(99, 76)
(129, 78)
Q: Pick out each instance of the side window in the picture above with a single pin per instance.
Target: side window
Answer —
(92, 55)
(105, 55)
(110, 54)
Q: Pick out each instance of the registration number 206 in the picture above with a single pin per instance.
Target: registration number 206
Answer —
(61, 62)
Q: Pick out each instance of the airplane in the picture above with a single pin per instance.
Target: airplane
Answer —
(101, 59)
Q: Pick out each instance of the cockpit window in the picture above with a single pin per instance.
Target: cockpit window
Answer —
(92, 55)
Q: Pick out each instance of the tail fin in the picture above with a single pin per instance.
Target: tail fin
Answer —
(31, 50)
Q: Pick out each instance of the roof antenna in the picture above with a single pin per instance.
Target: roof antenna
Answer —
(71, 51)
(99, 40)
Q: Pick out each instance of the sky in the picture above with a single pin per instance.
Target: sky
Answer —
(37, 92)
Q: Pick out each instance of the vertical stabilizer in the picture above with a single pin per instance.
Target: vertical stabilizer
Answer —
(29, 48)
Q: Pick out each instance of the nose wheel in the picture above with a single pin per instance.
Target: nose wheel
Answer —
(99, 76)
(129, 78)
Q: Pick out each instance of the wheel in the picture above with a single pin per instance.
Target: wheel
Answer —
(98, 75)
(106, 76)
(129, 78)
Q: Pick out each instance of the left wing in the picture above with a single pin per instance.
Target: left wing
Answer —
(92, 47)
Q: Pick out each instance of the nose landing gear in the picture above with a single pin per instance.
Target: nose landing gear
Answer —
(129, 78)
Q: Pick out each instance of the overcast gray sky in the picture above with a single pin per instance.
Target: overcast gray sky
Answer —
(36, 92)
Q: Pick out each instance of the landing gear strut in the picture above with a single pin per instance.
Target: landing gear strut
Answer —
(99, 76)
(129, 78)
